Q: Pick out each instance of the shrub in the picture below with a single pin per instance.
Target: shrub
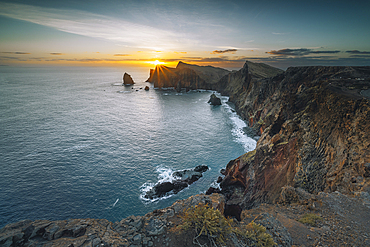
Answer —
(310, 219)
(255, 235)
(209, 222)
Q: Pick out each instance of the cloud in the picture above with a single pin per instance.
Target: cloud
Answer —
(16, 53)
(220, 59)
(232, 51)
(298, 52)
(57, 53)
(358, 52)
(120, 55)
(280, 33)
(95, 26)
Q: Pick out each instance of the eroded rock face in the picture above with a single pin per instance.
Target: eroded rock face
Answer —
(313, 123)
(127, 80)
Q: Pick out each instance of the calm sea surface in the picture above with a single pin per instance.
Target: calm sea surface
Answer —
(74, 143)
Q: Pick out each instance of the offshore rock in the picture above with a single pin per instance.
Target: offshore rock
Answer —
(182, 180)
(214, 100)
(127, 80)
(313, 123)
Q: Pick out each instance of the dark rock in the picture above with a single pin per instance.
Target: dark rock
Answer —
(127, 80)
(146, 88)
(183, 179)
(212, 190)
(367, 170)
(201, 168)
(214, 100)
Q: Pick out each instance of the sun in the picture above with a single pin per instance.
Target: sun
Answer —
(156, 62)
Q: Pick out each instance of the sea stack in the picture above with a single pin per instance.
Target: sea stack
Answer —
(127, 80)
(214, 100)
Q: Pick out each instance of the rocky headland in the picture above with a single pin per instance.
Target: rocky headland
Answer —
(307, 182)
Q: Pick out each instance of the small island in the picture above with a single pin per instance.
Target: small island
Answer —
(127, 80)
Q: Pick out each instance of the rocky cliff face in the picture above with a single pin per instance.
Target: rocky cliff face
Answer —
(314, 124)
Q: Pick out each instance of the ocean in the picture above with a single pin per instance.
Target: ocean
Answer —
(75, 143)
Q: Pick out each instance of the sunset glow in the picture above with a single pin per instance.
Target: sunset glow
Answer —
(116, 33)
(156, 62)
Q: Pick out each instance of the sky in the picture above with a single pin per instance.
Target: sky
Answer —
(204, 32)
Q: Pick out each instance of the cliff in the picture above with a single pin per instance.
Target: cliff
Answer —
(314, 125)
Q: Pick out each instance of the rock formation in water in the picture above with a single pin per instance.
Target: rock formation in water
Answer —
(127, 80)
(214, 100)
(182, 180)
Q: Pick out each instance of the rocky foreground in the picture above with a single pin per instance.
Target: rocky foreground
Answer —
(307, 182)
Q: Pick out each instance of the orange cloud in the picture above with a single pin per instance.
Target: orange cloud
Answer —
(232, 51)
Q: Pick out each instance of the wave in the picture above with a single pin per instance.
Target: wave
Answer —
(164, 175)
(238, 126)
(77, 147)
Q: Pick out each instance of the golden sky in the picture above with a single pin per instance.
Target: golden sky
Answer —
(219, 33)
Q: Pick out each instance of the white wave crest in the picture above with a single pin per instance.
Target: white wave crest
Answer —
(238, 126)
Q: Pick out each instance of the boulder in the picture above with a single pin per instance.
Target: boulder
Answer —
(127, 80)
(146, 88)
(214, 100)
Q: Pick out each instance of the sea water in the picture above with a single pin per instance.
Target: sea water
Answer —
(75, 143)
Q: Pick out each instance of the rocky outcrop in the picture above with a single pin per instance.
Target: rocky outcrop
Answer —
(149, 230)
(186, 76)
(127, 80)
(313, 123)
(214, 100)
(182, 179)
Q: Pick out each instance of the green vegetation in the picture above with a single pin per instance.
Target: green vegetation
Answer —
(208, 222)
(255, 235)
(310, 219)
(215, 228)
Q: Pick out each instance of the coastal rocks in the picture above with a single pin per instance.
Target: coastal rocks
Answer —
(145, 231)
(214, 100)
(182, 179)
(314, 134)
(146, 88)
(127, 80)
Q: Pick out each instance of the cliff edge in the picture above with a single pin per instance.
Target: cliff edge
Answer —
(313, 123)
